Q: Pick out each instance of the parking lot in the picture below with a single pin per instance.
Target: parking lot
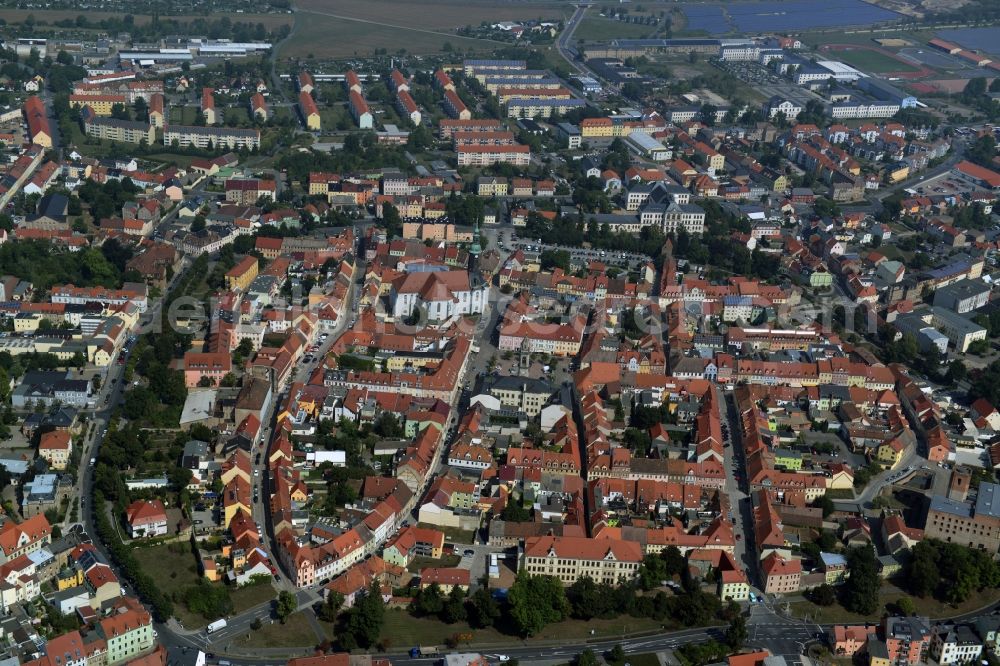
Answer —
(750, 72)
(945, 185)
(581, 257)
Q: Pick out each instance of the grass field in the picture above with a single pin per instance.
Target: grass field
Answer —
(326, 37)
(600, 29)
(421, 562)
(237, 116)
(871, 61)
(173, 568)
(340, 28)
(336, 117)
(889, 595)
(452, 534)
(183, 115)
(251, 595)
(270, 21)
(295, 632)
(402, 629)
(171, 158)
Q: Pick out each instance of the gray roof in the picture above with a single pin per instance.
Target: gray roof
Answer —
(956, 321)
(988, 501)
(913, 627)
(529, 385)
(196, 448)
(964, 288)
(942, 504)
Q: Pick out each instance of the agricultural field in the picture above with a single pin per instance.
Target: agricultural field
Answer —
(325, 37)
(44, 16)
(339, 28)
(440, 15)
(602, 29)
(871, 61)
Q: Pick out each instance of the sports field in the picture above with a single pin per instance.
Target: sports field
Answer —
(868, 60)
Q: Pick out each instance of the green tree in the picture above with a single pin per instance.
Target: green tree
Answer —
(976, 87)
(550, 259)
(957, 371)
(736, 633)
(925, 575)
(586, 658)
(483, 609)
(826, 504)
(364, 621)
(330, 608)
(906, 606)
(983, 150)
(428, 601)
(286, 605)
(862, 586)
(536, 601)
(453, 609)
(823, 595)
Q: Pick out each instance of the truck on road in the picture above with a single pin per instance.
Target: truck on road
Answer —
(215, 626)
(423, 651)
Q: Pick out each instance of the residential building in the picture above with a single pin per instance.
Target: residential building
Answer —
(209, 368)
(111, 129)
(24, 538)
(101, 104)
(247, 191)
(128, 633)
(907, 639)
(146, 518)
(56, 448)
(781, 575)
(517, 155)
(955, 644)
(208, 106)
(359, 109)
(227, 138)
(309, 111)
(258, 107)
(242, 274)
(38, 121)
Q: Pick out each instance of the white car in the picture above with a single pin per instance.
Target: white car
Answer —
(500, 657)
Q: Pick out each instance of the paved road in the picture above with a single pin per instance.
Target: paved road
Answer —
(260, 510)
(563, 44)
(956, 154)
(741, 505)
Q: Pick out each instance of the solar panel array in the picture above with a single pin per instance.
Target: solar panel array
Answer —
(777, 16)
